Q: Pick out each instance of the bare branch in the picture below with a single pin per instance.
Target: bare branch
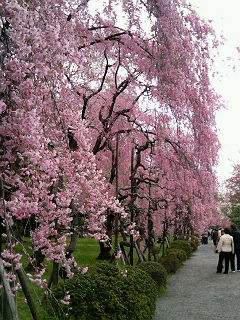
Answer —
(112, 37)
(87, 98)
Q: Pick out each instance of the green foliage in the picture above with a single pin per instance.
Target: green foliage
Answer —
(191, 239)
(157, 272)
(183, 245)
(179, 251)
(194, 241)
(180, 254)
(107, 292)
(235, 216)
(194, 244)
(170, 262)
(187, 236)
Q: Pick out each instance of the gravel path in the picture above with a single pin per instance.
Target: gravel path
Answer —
(196, 291)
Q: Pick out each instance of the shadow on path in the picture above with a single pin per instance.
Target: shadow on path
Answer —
(196, 291)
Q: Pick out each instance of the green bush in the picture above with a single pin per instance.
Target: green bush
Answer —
(194, 241)
(193, 244)
(105, 268)
(183, 245)
(191, 239)
(180, 254)
(106, 292)
(157, 272)
(170, 262)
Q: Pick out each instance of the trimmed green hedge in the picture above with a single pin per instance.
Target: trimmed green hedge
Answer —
(192, 240)
(170, 262)
(180, 254)
(157, 272)
(106, 292)
(183, 245)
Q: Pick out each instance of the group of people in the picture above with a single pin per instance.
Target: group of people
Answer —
(227, 244)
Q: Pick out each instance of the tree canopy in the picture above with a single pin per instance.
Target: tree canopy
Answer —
(106, 109)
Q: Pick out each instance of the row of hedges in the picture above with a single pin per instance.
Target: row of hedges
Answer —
(179, 251)
(112, 292)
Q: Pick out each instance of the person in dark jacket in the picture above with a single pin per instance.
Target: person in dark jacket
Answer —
(236, 239)
(215, 237)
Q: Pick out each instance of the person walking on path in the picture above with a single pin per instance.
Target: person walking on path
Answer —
(214, 237)
(236, 239)
(204, 239)
(225, 248)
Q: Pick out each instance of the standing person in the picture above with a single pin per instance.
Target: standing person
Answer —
(236, 239)
(204, 238)
(214, 237)
(225, 248)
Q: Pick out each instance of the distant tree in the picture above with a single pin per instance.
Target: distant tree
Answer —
(233, 191)
(235, 215)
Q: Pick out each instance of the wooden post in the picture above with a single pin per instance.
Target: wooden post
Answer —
(27, 294)
(124, 254)
(6, 312)
(53, 277)
(8, 294)
(140, 255)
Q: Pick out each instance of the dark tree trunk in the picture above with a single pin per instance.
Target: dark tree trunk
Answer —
(150, 228)
(105, 250)
(106, 246)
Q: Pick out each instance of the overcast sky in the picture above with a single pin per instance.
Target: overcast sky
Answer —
(225, 19)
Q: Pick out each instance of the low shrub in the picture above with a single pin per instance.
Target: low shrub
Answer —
(192, 240)
(170, 262)
(183, 245)
(193, 244)
(106, 292)
(180, 254)
(157, 272)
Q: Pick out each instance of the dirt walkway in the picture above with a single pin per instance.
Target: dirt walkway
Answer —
(197, 292)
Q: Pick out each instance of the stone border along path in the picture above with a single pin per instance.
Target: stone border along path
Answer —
(197, 292)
